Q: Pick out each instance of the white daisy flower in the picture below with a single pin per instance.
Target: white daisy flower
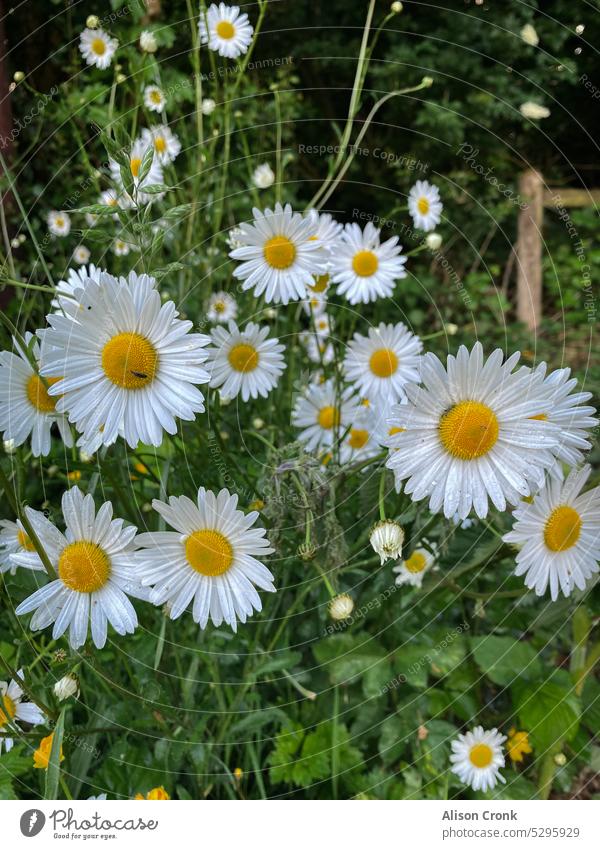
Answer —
(567, 411)
(154, 99)
(208, 106)
(425, 206)
(97, 47)
(387, 539)
(382, 363)
(13, 709)
(315, 304)
(244, 361)
(153, 177)
(26, 406)
(110, 198)
(278, 256)
(559, 536)
(221, 308)
(360, 442)
(59, 223)
(324, 412)
(263, 176)
(120, 247)
(127, 366)
(166, 144)
(467, 435)
(148, 42)
(76, 279)
(318, 350)
(325, 228)
(210, 559)
(412, 570)
(95, 563)
(14, 540)
(477, 757)
(363, 268)
(225, 30)
(81, 255)
(323, 325)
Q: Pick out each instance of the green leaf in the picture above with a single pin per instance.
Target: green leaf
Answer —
(53, 770)
(503, 659)
(146, 164)
(550, 711)
(347, 658)
(154, 188)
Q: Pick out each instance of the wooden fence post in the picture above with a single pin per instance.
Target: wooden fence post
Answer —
(529, 250)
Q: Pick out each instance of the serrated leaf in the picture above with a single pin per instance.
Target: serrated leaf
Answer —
(503, 659)
(550, 711)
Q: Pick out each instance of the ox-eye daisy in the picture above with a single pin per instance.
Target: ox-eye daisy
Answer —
(468, 434)
(154, 176)
(380, 364)
(363, 268)
(324, 228)
(76, 279)
(360, 442)
(59, 223)
(13, 709)
(324, 413)
(424, 205)
(154, 99)
(26, 406)
(81, 254)
(244, 362)
(127, 365)
(166, 144)
(225, 30)
(210, 559)
(95, 565)
(477, 757)
(278, 256)
(559, 536)
(221, 308)
(14, 540)
(412, 570)
(97, 47)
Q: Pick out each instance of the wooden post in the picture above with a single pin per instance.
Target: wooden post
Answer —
(529, 250)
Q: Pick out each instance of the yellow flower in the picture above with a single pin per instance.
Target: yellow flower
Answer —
(257, 504)
(238, 772)
(139, 467)
(157, 794)
(74, 476)
(41, 756)
(518, 745)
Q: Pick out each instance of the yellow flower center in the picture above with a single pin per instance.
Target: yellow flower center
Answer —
(84, 567)
(321, 283)
(160, 144)
(423, 206)
(209, 552)
(469, 430)
(7, 711)
(219, 306)
(358, 438)
(243, 357)
(481, 755)
(225, 29)
(279, 252)
(156, 96)
(99, 47)
(24, 541)
(60, 222)
(129, 360)
(37, 393)
(365, 263)
(328, 417)
(562, 529)
(383, 363)
(134, 164)
(416, 562)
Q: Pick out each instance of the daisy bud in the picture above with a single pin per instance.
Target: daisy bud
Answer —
(148, 42)
(433, 241)
(65, 688)
(9, 446)
(341, 607)
(427, 81)
(208, 106)
(529, 35)
(258, 424)
(121, 78)
(386, 540)
(306, 551)
(397, 7)
(92, 21)
(579, 28)
(270, 312)
(452, 330)
(18, 76)
(15, 243)
(560, 759)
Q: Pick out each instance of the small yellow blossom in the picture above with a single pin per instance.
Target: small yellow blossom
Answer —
(157, 794)
(257, 504)
(74, 476)
(41, 756)
(517, 745)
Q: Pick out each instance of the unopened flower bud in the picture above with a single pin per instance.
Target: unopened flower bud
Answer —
(306, 551)
(397, 7)
(148, 42)
(65, 688)
(341, 607)
(92, 21)
(18, 76)
(433, 241)
(386, 540)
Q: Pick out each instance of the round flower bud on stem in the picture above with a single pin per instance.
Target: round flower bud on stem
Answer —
(18, 76)
(386, 540)
(92, 21)
(341, 607)
(433, 241)
(306, 551)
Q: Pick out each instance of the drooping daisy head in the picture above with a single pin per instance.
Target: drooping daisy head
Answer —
(412, 570)
(225, 30)
(425, 206)
(154, 99)
(14, 540)
(324, 412)
(59, 223)
(278, 257)
(558, 535)
(382, 363)
(210, 560)
(477, 758)
(263, 176)
(166, 144)
(97, 47)
(26, 406)
(14, 709)
(387, 538)
(126, 365)
(467, 434)
(221, 308)
(153, 177)
(244, 362)
(95, 570)
(363, 267)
